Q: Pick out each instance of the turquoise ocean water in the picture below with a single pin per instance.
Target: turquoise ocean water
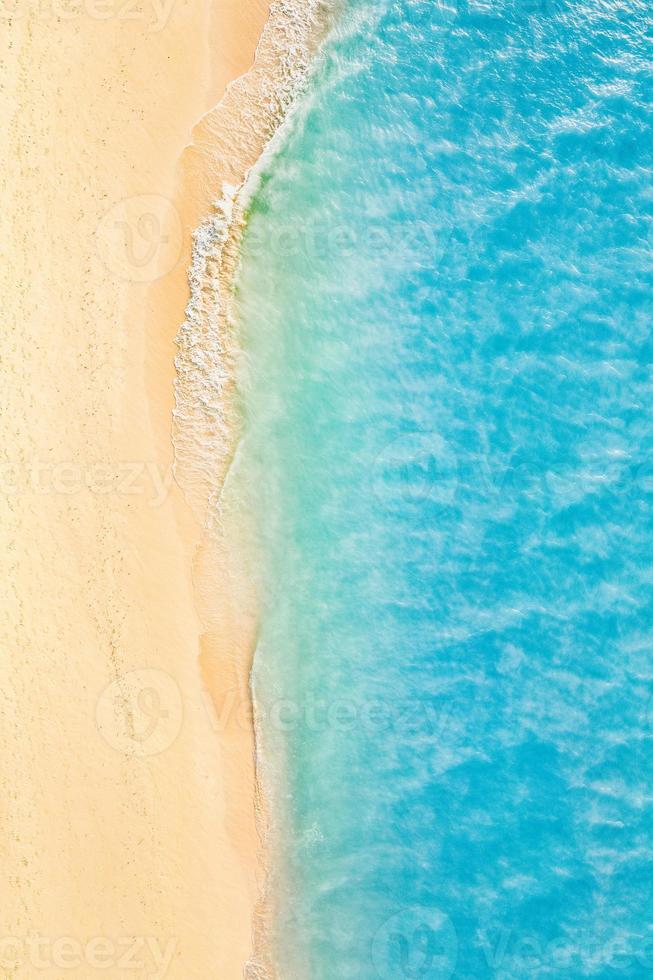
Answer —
(445, 305)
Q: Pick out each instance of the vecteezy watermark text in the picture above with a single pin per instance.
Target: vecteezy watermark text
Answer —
(40, 477)
(526, 953)
(155, 14)
(146, 954)
(416, 240)
(316, 713)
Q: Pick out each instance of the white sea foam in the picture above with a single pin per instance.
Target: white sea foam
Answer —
(205, 427)
(248, 127)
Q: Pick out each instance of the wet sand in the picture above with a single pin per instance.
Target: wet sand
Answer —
(128, 827)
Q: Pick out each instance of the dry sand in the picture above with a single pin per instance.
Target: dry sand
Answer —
(127, 827)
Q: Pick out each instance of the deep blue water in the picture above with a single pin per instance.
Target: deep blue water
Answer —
(446, 315)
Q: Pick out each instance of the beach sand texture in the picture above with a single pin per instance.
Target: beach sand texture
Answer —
(128, 824)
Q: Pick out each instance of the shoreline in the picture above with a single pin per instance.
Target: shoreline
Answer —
(232, 139)
(146, 817)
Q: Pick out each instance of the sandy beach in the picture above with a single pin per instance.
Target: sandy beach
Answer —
(128, 830)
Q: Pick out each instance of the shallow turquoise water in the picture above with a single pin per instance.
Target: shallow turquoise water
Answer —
(446, 318)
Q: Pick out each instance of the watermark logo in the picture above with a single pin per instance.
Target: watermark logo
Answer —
(140, 239)
(414, 468)
(416, 943)
(141, 713)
